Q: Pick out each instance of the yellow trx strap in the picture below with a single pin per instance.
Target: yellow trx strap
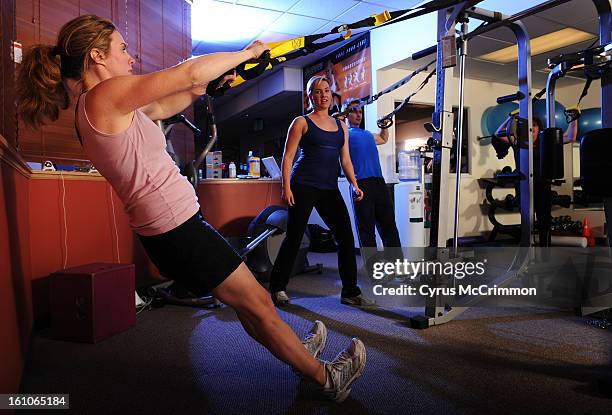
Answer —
(286, 50)
(279, 49)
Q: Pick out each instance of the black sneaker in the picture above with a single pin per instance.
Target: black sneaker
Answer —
(358, 301)
(280, 298)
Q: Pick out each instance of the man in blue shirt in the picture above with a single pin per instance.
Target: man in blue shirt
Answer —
(375, 210)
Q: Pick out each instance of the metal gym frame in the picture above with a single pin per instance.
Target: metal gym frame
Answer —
(440, 309)
(596, 67)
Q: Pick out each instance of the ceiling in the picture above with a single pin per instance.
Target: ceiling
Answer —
(578, 14)
(286, 19)
(276, 20)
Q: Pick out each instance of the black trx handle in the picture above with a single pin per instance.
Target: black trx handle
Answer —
(572, 114)
(385, 122)
(262, 63)
(213, 89)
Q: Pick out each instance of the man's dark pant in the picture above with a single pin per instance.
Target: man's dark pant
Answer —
(375, 211)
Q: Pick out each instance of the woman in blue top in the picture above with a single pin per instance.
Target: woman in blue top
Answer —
(313, 183)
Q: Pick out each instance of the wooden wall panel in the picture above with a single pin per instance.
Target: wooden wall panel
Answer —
(173, 31)
(151, 37)
(36, 145)
(187, 47)
(126, 16)
(5, 57)
(102, 8)
(27, 17)
(156, 35)
(182, 137)
(8, 120)
(28, 33)
(53, 15)
(133, 31)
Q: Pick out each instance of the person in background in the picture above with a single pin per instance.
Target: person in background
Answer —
(114, 119)
(375, 210)
(312, 182)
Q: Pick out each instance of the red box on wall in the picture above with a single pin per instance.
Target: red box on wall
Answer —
(92, 302)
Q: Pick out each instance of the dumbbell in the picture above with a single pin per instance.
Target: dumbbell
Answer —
(509, 201)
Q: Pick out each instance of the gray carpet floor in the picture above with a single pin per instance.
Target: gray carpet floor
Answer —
(184, 360)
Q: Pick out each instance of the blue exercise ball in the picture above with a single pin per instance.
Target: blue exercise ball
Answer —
(589, 120)
(493, 117)
(483, 121)
(539, 111)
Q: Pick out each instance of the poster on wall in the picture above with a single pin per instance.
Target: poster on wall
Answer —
(349, 70)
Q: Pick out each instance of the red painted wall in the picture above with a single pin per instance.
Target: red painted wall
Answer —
(71, 223)
(49, 221)
(76, 219)
(15, 293)
(230, 205)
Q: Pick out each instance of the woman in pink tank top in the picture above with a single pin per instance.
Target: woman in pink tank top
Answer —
(114, 117)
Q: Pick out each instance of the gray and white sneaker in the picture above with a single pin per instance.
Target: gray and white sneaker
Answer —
(344, 370)
(280, 298)
(315, 340)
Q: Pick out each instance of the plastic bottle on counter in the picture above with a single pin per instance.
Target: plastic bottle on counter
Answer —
(232, 170)
(253, 162)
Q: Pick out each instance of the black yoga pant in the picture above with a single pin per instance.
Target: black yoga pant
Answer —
(331, 208)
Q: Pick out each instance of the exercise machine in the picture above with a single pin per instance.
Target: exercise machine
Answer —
(441, 308)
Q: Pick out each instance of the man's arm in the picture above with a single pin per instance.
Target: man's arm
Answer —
(382, 137)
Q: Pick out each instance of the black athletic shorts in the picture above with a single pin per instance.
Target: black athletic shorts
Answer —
(193, 254)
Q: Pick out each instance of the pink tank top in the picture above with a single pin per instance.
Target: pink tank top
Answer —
(157, 198)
